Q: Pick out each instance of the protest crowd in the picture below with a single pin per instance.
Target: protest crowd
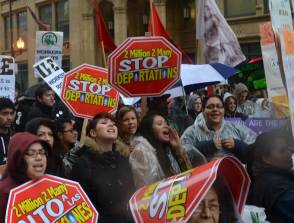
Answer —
(122, 143)
(128, 150)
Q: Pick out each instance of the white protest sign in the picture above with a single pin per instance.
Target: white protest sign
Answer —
(51, 73)
(280, 15)
(276, 90)
(287, 47)
(49, 44)
(7, 77)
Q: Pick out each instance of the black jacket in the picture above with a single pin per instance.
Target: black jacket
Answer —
(40, 111)
(270, 186)
(4, 141)
(107, 179)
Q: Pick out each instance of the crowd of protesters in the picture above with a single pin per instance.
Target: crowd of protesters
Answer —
(124, 152)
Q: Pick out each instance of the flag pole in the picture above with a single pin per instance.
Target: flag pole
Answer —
(144, 98)
(152, 17)
(185, 100)
(103, 54)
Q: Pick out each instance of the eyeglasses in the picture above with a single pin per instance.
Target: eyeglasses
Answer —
(34, 153)
(70, 130)
(213, 207)
(215, 106)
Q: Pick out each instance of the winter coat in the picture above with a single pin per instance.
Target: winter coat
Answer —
(39, 110)
(106, 178)
(273, 189)
(69, 159)
(145, 165)
(201, 137)
(4, 140)
(15, 172)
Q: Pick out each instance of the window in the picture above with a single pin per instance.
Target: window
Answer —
(236, 8)
(251, 50)
(62, 18)
(22, 25)
(45, 12)
(265, 7)
(7, 32)
(22, 76)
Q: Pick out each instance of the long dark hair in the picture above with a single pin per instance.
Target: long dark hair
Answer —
(145, 129)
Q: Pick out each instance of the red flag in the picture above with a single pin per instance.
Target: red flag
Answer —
(41, 24)
(103, 35)
(156, 28)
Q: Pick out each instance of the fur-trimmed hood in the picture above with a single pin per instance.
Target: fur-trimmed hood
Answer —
(118, 146)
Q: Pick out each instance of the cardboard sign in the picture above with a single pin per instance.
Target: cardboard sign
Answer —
(281, 16)
(275, 87)
(49, 44)
(7, 77)
(287, 46)
(50, 199)
(144, 66)
(176, 198)
(51, 73)
(86, 91)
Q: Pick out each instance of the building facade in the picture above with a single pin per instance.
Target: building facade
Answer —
(123, 18)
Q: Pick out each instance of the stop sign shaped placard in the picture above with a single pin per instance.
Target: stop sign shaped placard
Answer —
(50, 199)
(86, 91)
(144, 66)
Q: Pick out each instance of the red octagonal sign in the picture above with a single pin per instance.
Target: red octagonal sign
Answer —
(144, 66)
(86, 91)
(50, 199)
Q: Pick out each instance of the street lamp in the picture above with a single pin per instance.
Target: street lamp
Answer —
(20, 44)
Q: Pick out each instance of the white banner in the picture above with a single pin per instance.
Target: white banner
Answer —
(49, 44)
(275, 88)
(280, 15)
(7, 77)
(51, 73)
(287, 47)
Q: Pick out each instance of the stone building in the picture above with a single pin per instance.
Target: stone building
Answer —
(76, 18)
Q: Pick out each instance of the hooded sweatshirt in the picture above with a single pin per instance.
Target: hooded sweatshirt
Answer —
(15, 173)
(4, 140)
